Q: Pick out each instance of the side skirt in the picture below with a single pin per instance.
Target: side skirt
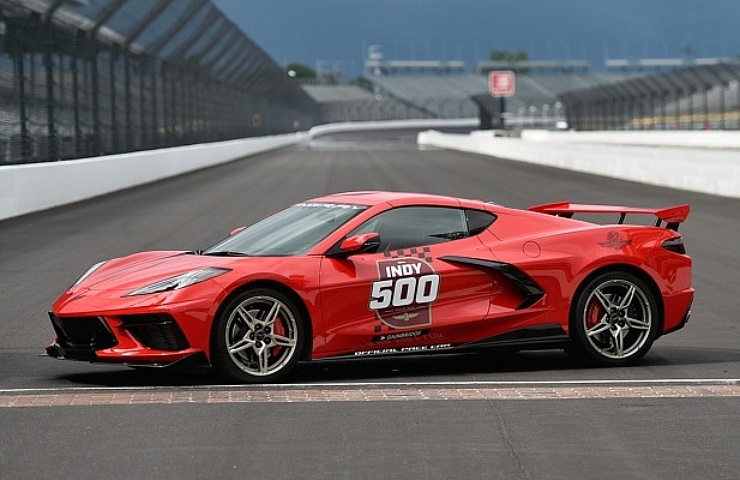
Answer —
(534, 338)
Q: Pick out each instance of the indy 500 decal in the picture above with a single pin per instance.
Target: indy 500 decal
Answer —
(403, 296)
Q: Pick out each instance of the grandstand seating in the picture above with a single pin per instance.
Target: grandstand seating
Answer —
(449, 96)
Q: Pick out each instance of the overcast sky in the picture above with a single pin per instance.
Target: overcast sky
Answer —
(339, 31)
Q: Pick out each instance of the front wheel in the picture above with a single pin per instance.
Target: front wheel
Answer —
(615, 320)
(257, 337)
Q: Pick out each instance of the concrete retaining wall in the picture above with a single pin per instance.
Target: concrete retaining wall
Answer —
(34, 187)
(332, 128)
(706, 164)
(710, 169)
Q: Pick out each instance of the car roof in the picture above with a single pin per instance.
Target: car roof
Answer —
(397, 199)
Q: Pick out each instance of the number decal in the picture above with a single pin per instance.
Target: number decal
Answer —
(403, 295)
(428, 289)
(381, 294)
(404, 291)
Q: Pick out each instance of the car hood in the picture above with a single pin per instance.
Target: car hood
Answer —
(141, 269)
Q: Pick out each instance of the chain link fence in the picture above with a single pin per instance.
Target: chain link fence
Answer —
(695, 97)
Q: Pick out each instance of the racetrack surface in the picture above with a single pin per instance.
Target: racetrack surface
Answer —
(529, 415)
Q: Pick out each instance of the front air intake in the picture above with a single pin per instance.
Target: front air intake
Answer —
(90, 333)
(156, 331)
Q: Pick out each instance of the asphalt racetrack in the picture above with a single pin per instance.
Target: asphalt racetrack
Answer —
(528, 415)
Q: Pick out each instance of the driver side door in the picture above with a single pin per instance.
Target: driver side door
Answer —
(404, 297)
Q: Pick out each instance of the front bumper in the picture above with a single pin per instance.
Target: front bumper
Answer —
(147, 340)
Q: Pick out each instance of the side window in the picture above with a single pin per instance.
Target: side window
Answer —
(407, 227)
(479, 221)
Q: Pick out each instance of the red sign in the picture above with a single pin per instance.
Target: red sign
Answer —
(501, 83)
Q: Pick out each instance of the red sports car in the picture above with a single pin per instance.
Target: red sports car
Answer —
(381, 273)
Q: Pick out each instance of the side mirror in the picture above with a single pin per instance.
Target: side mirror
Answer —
(363, 243)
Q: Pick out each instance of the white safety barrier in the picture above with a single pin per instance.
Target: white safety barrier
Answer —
(34, 187)
(707, 162)
(710, 169)
(332, 128)
(713, 139)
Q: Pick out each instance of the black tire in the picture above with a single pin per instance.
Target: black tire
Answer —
(258, 337)
(614, 321)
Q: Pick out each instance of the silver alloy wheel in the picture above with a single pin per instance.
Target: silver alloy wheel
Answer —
(617, 319)
(261, 335)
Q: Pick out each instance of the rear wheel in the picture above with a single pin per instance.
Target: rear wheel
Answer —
(615, 320)
(258, 337)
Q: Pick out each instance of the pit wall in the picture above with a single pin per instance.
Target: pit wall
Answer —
(706, 162)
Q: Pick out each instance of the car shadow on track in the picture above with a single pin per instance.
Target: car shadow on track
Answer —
(424, 368)
(462, 367)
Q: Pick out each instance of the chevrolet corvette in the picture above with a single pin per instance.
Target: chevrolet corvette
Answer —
(364, 274)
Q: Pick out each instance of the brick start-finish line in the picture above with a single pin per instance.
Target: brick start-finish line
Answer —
(362, 393)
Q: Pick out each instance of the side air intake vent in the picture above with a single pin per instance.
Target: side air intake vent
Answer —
(158, 332)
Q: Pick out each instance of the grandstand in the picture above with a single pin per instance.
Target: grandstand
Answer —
(97, 77)
(696, 95)
(448, 96)
(703, 95)
(404, 89)
(347, 103)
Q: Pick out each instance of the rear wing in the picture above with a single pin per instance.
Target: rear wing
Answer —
(673, 216)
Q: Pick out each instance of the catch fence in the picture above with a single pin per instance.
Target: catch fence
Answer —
(695, 97)
(97, 77)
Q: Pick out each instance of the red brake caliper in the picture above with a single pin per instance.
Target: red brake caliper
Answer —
(278, 329)
(595, 312)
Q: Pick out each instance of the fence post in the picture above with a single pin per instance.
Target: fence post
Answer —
(129, 138)
(76, 94)
(20, 88)
(112, 58)
(53, 151)
(95, 143)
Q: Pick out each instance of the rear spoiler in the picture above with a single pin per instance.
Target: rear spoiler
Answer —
(673, 216)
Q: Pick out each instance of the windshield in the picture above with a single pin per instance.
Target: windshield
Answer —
(292, 231)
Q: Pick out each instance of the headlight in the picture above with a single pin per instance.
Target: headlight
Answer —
(89, 272)
(180, 281)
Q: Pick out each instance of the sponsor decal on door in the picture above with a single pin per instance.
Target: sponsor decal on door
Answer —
(403, 295)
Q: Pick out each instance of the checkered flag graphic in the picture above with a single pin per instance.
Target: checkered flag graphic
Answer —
(422, 253)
